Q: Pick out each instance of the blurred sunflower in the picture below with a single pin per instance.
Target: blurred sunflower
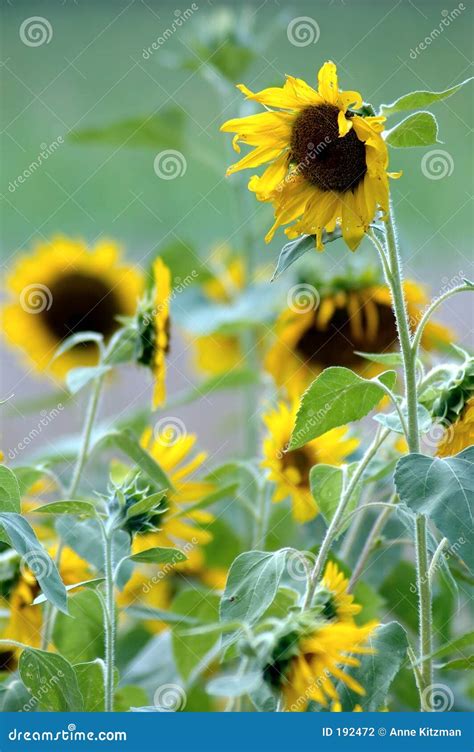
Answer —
(305, 662)
(220, 353)
(328, 163)
(176, 525)
(63, 288)
(153, 324)
(340, 604)
(352, 315)
(289, 471)
(454, 409)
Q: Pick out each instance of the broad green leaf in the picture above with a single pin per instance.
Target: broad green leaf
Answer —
(400, 593)
(420, 129)
(338, 396)
(80, 508)
(145, 505)
(251, 586)
(25, 542)
(458, 644)
(15, 698)
(129, 445)
(293, 250)
(127, 697)
(26, 476)
(80, 338)
(443, 490)
(416, 100)
(162, 130)
(460, 664)
(90, 678)
(180, 257)
(376, 672)
(392, 420)
(190, 652)
(234, 685)
(84, 584)
(386, 359)
(78, 378)
(9, 491)
(51, 679)
(326, 486)
(370, 600)
(148, 613)
(80, 636)
(159, 555)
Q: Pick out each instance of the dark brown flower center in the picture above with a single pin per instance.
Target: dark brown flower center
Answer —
(81, 303)
(299, 459)
(327, 161)
(335, 345)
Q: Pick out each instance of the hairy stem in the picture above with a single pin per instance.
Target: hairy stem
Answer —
(432, 308)
(377, 528)
(109, 622)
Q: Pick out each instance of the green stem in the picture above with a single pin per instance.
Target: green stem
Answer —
(431, 309)
(424, 595)
(333, 528)
(377, 528)
(109, 621)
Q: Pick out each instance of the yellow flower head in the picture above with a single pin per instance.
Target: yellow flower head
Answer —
(340, 604)
(345, 321)
(62, 288)
(289, 471)
(327, 163)
(460, 434)
(304, 667)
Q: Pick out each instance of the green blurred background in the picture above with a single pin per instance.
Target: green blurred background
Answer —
(93, 73)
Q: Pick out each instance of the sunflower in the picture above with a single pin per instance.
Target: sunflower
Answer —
(61, 288)
(460, 434)
(219, 353)
(176, 525)
(453, 408)
(153, 324)
(290, 470)
(328, 163)
(340, 604)
(304, 664)
(358, 318)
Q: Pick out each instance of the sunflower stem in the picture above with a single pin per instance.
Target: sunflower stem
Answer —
(409, 353)
(431, 309)
(109, 620)
(334, 526)
(375, 531)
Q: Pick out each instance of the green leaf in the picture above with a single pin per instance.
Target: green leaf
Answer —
(392, 420)
(251, 586)
(159, 555)
(145, 505)
(90, 678)
(226, 493)
(152, 131)
(460, 664)
(190, 652)
(85, 584)
(376, 672)
(25, 542)
(80, 636)
(148, 613)
(129, 445)
(80, 508)
(458, 644)
(338, 396)
(15, 698)
(420, 129)
(51, 679)
(80, 338)
(234, 685)
(442, 489)
(9, 491)
(400, 593)
(129, 696)
(78, 378)
(416, 100)
(326, 486)
(293, 250)
(386, 359)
